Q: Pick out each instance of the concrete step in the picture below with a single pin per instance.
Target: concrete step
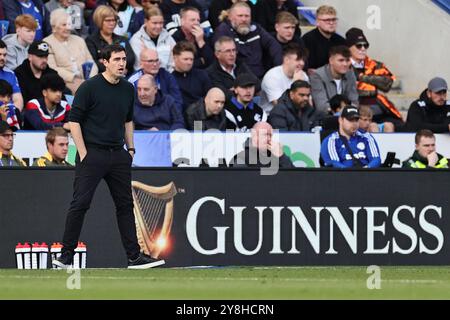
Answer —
(401, 100)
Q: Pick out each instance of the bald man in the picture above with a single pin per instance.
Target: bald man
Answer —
(262, 151)
(166, 82)
(153, 110)
(207, 113)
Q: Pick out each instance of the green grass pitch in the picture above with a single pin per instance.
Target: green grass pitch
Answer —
(233, 283)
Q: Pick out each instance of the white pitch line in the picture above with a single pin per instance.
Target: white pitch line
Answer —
(408, 281)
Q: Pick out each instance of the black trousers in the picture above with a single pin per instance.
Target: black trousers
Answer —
(113, 165)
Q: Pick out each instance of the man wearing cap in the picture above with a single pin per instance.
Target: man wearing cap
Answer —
(32, 69)
(8, 159)
(348, 147)
(432, 110)
(241, 111)
(425, 155)
(373, 77)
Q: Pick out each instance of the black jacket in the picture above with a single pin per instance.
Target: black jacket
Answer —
(224, 80)
(246, 158)
(286, 117)
(424, 114)
(96, 43)
(197, 112)
(319, 47)
(29, 84)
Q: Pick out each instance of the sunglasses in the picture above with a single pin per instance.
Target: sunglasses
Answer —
(361, 45)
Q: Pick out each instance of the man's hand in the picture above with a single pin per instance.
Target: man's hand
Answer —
(82, 155)
(299, 75)
(276, 148)
(432, 159)
(199, 36)
(153, 129)
(66, 126)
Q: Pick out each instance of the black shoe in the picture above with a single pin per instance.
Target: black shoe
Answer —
(144, 262)
(64, 261)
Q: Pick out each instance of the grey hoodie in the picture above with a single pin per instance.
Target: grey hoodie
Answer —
(15, 53)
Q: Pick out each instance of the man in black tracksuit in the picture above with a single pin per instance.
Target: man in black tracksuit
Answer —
(100, 123)
(432, 110)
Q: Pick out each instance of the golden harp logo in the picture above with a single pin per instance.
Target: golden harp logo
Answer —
(153, 213)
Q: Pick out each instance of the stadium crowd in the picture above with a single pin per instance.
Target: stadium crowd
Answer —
(211, 64)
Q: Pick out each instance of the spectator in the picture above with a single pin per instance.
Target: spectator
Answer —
(31, 70)
(218, 7)
(76, 11)
(372, 78)
(129, 21)
(432, 110)
(171, 10)
(241, 111)
(262, 151)
(286, 26)
(191, 31)
(8, 112)
(366, 123)
(7, 158)
(57, 142)
(278, 79)
(36, 8)
(68, 52)
(293, 111)
(10, 76)
(153, 35)
(194, 83)
(19, 42)
(226, 67)
(348, 147)
(105, 19)
(207, 113)
(320, 40)
(334, 78)
(253, 42)
(154, 111)
(267, 10)
(330, 122)
(165, 81)
(50, 111)
(425, 155)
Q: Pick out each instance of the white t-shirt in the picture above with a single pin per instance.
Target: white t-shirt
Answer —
(274, 84)
(338, 86)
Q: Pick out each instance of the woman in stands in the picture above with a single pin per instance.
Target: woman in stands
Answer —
(129, 20)
(67, 52)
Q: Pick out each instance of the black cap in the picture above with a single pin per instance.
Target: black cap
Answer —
(354, 36)
(4, 126)
(350, 113)
(39, 48)
(245, 80)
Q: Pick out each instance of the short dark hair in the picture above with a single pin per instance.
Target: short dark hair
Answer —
(107, 51)
(336, 101)
(183, 46)
(5, 88)
(53, 82)
(122, 7)
(342, 50)
(295, 48)
(299, 84)
(55, 132)
(2, 44)
(423, 133)
(186, 9)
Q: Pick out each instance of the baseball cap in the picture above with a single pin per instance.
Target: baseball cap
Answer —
(350, 113)
(4, 126)
(39, 48)
(245, 80)
(437, 84)
(354, 36)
